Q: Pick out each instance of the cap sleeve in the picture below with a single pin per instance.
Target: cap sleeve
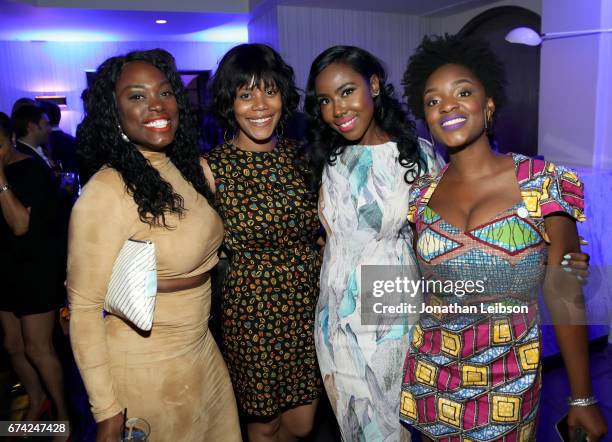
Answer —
(548, 189)
(565, 193)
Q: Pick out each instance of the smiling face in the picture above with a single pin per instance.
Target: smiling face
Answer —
(147, 107)
(456, 106)
(346, 101)
(257, 110)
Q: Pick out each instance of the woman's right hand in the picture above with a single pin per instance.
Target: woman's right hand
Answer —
(590, 419)
(109, 430)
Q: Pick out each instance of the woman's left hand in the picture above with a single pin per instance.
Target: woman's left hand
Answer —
(590, 420)
(577, 264)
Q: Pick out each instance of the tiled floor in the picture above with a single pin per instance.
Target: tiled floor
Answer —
(554, 391)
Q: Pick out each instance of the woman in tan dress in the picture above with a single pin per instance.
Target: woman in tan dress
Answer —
(149, 185)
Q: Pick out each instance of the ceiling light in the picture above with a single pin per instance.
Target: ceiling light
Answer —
(161, 21)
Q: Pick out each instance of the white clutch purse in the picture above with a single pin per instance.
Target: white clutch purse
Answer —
(133, 284)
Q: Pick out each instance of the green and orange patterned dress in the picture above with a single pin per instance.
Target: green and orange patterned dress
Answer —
(271, 289)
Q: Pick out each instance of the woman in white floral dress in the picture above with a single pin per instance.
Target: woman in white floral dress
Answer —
(364, 156)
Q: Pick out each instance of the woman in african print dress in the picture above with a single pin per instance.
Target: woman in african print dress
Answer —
(271, 227)
(490, 219)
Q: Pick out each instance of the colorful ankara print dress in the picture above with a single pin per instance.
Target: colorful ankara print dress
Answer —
(271, 287)
(363, 203)
(475, 376)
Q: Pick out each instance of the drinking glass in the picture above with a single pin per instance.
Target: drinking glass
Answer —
(136, 430)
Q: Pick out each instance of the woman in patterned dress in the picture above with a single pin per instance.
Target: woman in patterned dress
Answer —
(364, 155)
(495, 219)
(271, 227)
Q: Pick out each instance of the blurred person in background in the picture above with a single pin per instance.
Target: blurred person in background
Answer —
(30, 269)
(61, 145)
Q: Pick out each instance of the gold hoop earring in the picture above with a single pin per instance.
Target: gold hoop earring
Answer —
(226, 139)
(280, 129)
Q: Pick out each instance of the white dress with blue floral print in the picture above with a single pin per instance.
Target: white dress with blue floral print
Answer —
(364, 205)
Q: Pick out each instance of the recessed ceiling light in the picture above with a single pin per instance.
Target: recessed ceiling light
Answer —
(161, 22)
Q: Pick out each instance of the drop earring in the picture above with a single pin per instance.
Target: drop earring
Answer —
(124, 137)
(487, 120)
(375, 94)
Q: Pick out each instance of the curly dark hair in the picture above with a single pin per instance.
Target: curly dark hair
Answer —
(99, 141)
(436, 51)
(326, 144)
(245, 65)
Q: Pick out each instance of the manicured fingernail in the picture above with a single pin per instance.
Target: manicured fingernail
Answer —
(567, 269)
(568, 256)
(564, 262)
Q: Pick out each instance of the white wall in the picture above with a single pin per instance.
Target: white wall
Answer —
(575, 96)
(602, 154)
(58, 68)
(306, 32)
(301, 33)
(263, 26)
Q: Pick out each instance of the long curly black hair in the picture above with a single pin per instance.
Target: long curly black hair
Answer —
(99, 141)
(436, 51)
(326, 144)
(245, 65)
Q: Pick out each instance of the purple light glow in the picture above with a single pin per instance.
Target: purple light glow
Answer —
(64, 35)
(23, 22)
(226, 33)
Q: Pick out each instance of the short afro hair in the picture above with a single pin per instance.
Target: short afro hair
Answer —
(436, 51)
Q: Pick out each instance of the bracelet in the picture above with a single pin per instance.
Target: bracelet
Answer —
(582, 402)
(4, 188)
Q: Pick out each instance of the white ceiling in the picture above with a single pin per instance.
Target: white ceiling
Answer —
(411, 7)
(225, 6)
(188, 20)
(113, 20)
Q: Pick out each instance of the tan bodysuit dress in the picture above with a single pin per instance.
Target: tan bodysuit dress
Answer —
(174, 377)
